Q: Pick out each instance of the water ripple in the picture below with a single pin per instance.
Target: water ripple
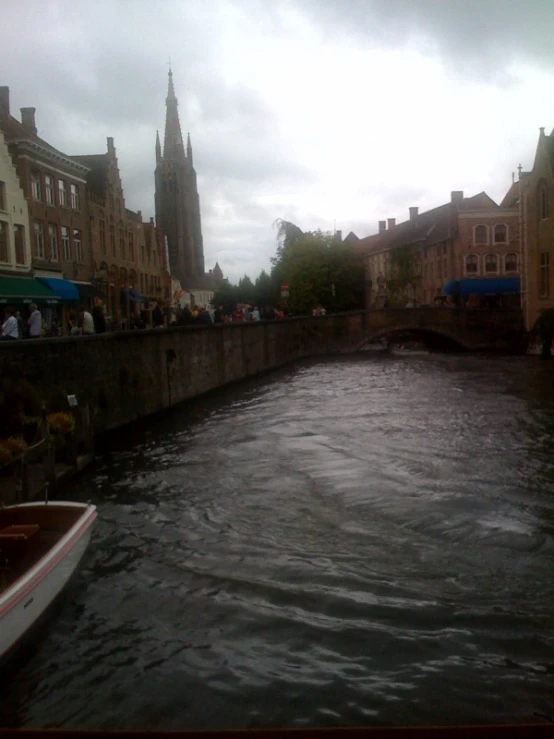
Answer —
(351, 542)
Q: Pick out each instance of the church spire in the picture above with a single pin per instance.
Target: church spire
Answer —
(173, 140)
(189, 150)
(158, 148)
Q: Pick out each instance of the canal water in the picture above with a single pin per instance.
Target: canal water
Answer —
(361, 541)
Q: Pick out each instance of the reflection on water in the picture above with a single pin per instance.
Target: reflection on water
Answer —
(368, 541)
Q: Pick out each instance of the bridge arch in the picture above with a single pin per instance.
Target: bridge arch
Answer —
(422, 331)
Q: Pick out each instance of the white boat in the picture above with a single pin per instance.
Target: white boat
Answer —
(41, 545)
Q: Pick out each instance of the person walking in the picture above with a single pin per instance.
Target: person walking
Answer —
(9, 327)
(34, 322)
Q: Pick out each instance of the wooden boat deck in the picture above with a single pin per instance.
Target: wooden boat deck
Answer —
(27, 534)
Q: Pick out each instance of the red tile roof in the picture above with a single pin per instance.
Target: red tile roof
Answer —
(511, 199)
(97, 178)
(430, 227)
(15, 131)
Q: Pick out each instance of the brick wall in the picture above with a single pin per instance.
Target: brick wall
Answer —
(125, 376)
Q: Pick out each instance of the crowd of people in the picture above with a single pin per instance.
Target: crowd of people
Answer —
(85, 322)
(243, 312)
(80, 322)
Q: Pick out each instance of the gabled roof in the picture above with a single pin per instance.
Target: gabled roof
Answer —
(511, 199)
(97, 177)
(351, 238)
(430, 227)
(16, 132)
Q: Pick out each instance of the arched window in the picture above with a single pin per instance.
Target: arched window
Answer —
(472, 264)
(510, 262)
(491, 263)
(543, 201)
(500, 233)
(481, 235)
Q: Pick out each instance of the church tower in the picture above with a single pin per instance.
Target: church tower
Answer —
(177, 200)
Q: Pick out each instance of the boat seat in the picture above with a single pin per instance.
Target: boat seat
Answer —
(19, 540)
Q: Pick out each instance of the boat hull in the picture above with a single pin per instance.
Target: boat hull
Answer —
(23, 605)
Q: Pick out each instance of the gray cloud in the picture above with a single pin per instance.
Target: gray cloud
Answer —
(101, 70)
(472, 36)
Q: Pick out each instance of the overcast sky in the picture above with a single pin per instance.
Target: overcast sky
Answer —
(316, 111)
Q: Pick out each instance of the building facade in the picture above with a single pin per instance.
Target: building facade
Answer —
(535, 199)
(15, 243)
(127, 261)
(443, 251)
(54, 186)
(154, 279)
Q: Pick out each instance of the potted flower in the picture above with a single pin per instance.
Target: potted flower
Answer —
(17, 447)
(6, 458)
(60, 423)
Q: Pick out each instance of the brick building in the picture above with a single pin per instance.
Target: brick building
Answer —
(450, 248)
(54, 186)
(127, 261)
(155, 282)
(534, 197)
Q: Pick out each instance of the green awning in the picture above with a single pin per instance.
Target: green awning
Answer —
(24, 291)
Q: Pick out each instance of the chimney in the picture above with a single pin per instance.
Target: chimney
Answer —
(382, 226)
(111, 147)
(456, 196)
(338, 235)
(391, 222)
(5, 100)
(28, 119)
(414, 211)
(541, 130)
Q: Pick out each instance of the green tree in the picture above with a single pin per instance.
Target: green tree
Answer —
(306, 272)
(319, 270)
(267, 292)
(226, 295)
(287, 235)
(245, 290)
(346, 274)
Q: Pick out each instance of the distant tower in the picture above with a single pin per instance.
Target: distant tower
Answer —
(177, 200)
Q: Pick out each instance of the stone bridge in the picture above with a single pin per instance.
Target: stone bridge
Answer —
(469, 329)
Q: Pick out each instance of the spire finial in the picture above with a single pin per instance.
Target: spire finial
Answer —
(189, 150)
(158, 148)
(173, 142)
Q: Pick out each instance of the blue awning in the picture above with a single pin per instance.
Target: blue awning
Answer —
(66, 290)
(139, 298)
(133, 295)
(485, 286)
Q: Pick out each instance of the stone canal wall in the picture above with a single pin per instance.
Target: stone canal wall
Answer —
(128, 375)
